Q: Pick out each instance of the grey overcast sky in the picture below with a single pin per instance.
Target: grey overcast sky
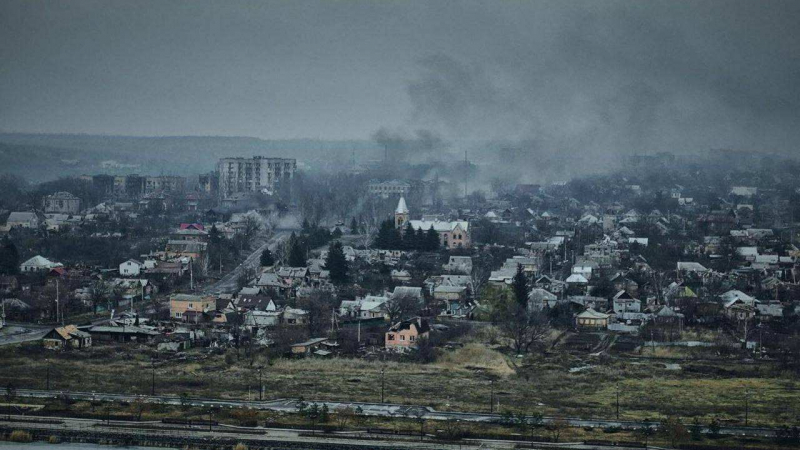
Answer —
(652, 75)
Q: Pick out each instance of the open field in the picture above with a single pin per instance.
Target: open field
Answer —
(459, 380)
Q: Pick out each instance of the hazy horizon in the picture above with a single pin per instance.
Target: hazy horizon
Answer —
(592, 79)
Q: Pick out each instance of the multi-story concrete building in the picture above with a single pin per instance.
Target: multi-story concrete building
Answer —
(254, 174)
(208, 183)
(62, 203)
(165, 183)
(129, 185)
(389, 188)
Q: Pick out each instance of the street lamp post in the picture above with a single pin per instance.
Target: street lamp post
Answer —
(382, 383)
(260, 386)
(48, 374)
(153, 384)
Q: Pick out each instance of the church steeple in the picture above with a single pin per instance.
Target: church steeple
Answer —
(400, 213)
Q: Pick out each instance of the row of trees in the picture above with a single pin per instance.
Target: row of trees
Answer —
(296, 250)
(390, 238)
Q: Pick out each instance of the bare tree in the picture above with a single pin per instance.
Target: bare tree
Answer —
(419, 416)
(657, 280)
(344, 414)
(522, 327)
(556, 427)
(281, 252)
(479, 276)
(319, 305)
(401, 306)
(672, 429)
(369, 230)
(139, 406)
(252, 225)
(100, 292)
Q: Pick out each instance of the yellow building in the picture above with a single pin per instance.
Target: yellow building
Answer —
(179, 304)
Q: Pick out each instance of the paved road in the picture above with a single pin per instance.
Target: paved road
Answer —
(267, 436)
(371, 409)
(227, 284)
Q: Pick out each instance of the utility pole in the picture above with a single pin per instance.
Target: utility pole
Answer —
(260, 386)
(382, 383)
(466, 169)
(653, 341)
(58, 304)
(746, 405)
(491, 397)
(48, 374)
(618, 402)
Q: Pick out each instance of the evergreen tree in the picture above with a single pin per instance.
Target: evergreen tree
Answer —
(431, 240)
(409, 238)
(266, 258)
(9, 258)
(336, 263)
(214, 236)
(297, 255)
(354, 226)
(419, 240)
(388, 237)
(382, 239)
(395, 240)
(520, 286)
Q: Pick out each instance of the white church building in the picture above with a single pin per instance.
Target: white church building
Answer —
(452, 234)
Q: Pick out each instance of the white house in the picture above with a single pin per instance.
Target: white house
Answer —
(624, 303)
(38, 263)
(22, 219)
(577, 279)
(369, 307)
(130, 268)
(585, 271)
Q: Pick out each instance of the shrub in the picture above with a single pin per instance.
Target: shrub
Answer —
(240, 446)
(20, 436)
(53, 439)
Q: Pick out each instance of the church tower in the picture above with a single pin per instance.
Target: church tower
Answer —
(401, 214)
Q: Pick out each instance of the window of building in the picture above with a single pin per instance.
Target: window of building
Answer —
(391, 337)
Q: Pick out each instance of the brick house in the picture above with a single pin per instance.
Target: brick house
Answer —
(407, 333)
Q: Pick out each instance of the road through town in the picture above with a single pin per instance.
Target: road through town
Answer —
(227, 284)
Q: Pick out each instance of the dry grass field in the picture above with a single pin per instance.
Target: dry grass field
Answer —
(560, 384)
